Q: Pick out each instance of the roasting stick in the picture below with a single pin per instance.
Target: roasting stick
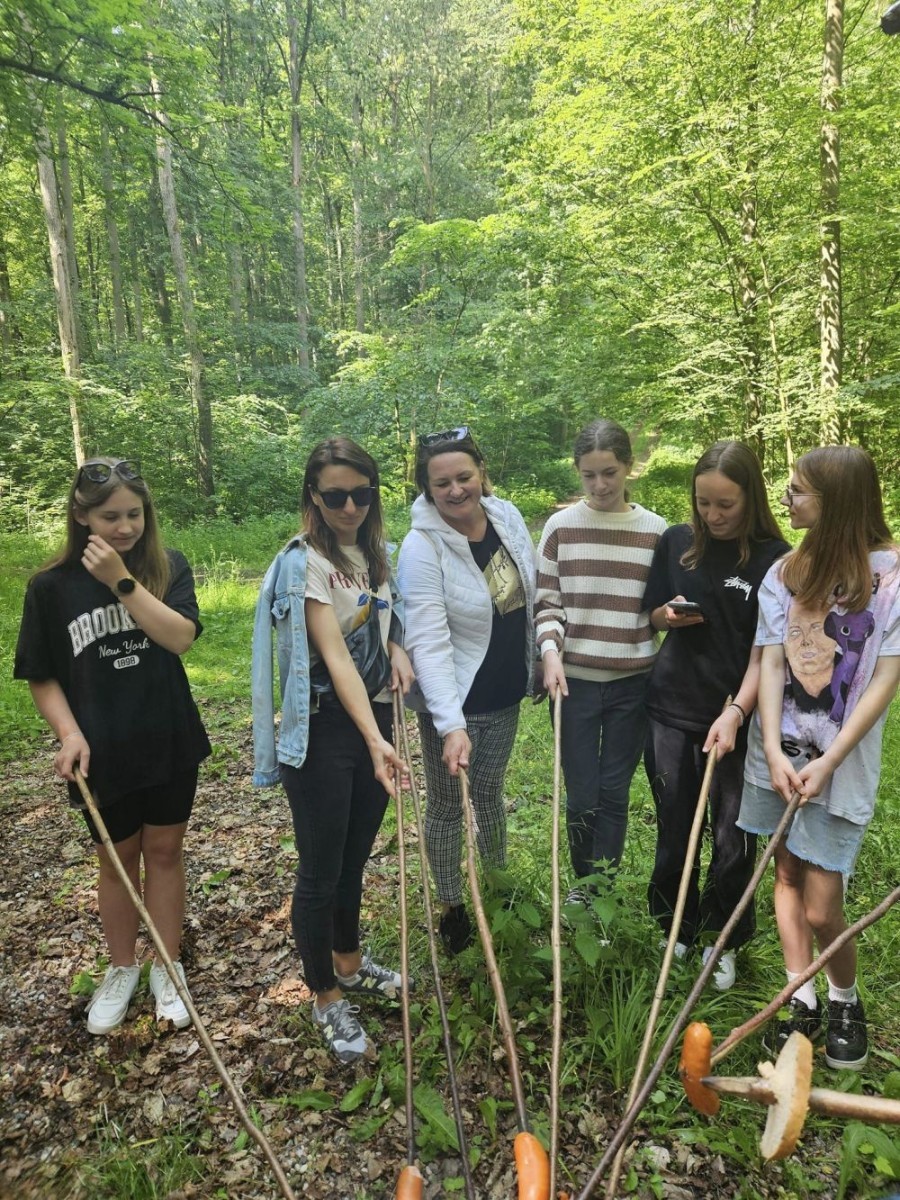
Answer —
(738, 1034)
(683, 1016)
(555, 1054)
(436, 973)
(409, 1184)
(681, 900)
(256, 1134)
(531, 1157)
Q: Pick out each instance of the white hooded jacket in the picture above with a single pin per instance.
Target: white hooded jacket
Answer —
(449, 612)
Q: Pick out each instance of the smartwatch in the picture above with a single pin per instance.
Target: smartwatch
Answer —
(125, 586)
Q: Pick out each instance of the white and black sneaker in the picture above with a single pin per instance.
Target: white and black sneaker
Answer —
(373, 979)
(343, 1034)
(846, 1037)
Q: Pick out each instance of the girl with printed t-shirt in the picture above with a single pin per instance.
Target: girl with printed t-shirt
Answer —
(467, 576)
(717, 563)
(597, 644)
(334, 757)
(829, 629)
(103, 628)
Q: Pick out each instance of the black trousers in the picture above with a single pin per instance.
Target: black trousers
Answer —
(675, 765)
(337, 806)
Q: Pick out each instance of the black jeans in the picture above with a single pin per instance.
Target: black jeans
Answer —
(337, 806)
(675, 764)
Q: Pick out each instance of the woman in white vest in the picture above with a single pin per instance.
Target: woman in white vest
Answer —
(466, 574)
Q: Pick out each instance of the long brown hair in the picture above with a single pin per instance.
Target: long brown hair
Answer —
(147, 560)
(738, 463)
(341, 451)
(833, 558)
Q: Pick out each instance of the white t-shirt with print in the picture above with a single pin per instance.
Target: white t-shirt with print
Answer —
(349, 596)
(830, 657)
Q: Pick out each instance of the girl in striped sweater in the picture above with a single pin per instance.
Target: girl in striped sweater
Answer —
(597, 643)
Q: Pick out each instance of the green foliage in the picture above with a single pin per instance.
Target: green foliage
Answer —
(150, 1170)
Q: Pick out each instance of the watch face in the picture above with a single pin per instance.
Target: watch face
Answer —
(125, 586)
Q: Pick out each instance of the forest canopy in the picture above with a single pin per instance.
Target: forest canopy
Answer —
(228, 229)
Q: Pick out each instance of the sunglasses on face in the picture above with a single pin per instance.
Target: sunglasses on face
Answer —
(446, 435)
(336, 498)
(100, 472)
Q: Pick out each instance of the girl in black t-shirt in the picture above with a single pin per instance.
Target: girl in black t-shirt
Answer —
(103, 628)
(717, 564)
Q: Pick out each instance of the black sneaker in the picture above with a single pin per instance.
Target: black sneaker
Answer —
(456, 929)
(846, 1042)
(803, 1018)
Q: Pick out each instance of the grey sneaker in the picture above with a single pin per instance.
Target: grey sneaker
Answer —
(344, 1036)
(374, 979)
(109, 1003)
(169, 1005)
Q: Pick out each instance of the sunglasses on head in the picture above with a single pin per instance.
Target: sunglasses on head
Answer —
(100, 472)
(336, 498)
(446, 435)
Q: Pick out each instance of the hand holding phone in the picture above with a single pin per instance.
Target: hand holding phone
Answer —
(685, 608)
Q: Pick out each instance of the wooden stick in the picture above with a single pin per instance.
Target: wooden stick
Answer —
(555, 941)
(256, 1134)
(681, 900)
(684, 1015)
(404, 945)
(487, 942)
(738, 1034)
(436, 977)
(875, 1110)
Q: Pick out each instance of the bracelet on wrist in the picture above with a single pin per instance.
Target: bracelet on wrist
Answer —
(734, 704)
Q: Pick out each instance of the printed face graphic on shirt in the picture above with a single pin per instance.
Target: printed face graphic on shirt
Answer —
(810, 651)
(504, 583)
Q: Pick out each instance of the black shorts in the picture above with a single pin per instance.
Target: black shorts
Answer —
(163, 804)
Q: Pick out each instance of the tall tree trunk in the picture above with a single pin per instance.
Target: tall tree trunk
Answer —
(112, 233)
(153, 249)
(748, 255)
(137, 291)
(298, 49)
(830, 315)
(8, 332)
(186, 301)
(356, 153)
(68, 216)
(65, 313)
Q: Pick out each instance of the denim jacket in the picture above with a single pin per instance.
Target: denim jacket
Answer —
(281, 605)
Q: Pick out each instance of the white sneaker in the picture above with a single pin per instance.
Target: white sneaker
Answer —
(169, 1005)
(681, 948)
(109, 1003)
(725, 973)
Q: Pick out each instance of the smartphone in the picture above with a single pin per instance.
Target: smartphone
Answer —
(685, 608)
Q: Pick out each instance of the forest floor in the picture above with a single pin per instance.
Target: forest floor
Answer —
(69, 1101)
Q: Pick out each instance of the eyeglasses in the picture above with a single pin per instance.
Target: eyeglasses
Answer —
(446, 435)
(791, 494)
(336, 498)
(100, 472)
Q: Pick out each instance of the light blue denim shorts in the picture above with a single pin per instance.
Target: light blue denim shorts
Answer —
(814, 835)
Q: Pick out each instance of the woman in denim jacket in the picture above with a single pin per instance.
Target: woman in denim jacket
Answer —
(335, 759)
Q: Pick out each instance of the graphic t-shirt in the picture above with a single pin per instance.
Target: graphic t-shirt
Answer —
(502, 678)
(130, 696)
(698, 667)
(349, 596)
(830, 656)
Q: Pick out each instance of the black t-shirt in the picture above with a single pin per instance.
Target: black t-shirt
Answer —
(698, 667)
(130, 696)
(502, 678)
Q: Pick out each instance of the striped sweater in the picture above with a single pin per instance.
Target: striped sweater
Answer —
(592, 568)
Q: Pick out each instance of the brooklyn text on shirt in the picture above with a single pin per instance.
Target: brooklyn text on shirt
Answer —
(100, 622)
(735, 581)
